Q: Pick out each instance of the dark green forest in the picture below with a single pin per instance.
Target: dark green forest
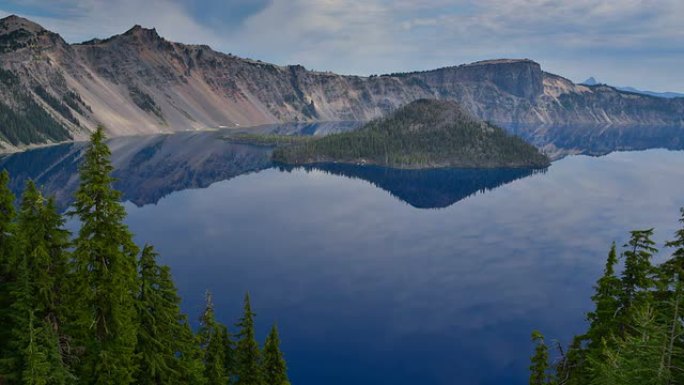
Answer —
(94, 308)
(423, 134)
(635, 333)
(26, 122)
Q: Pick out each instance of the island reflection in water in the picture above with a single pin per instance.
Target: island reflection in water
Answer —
(148, 168)
(426, 189)
(367, 289)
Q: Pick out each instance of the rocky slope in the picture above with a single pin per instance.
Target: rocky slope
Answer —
(138, 82)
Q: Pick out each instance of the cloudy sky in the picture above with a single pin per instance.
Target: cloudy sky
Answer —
(621, 42)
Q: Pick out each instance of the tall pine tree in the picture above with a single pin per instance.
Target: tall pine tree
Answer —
(160, 324)
(273, 363)
(191, 364)
(7, 256)
(213, 336)
(642, 357)
(602, 320)
(675, 265)
(104, 281)
(7, 212)
(37, 356)
(190, 357)
(637, 276)
(247, 354)
(539, 363)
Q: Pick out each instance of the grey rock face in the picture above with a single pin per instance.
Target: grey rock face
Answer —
(138, 82)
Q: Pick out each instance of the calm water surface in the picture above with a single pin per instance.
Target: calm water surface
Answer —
(378, 276)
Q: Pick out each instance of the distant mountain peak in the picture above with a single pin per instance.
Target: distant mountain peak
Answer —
(590, 82)
(140, 31)
(19, 33)
(13, 23)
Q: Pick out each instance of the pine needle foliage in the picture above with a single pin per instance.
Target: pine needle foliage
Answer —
(247, 352)
(92, 310)
(636, 331)
(273, 365)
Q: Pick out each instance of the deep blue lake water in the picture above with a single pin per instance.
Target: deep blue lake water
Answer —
(380, 276)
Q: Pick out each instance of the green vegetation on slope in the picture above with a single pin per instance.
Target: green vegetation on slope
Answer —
(636, 331)
(144, 101)
(423, 134)
(26, 122)
(96, 309)
(266, 139)
(56, 104)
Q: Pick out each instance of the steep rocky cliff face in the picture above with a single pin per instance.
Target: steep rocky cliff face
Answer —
(138, 82)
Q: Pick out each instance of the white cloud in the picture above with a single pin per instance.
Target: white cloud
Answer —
(79, 20)
(576, 38)
(619, 41)
(319, 33)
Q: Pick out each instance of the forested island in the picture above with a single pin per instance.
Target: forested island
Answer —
(423, 134)
(636, 330)
(96, 309)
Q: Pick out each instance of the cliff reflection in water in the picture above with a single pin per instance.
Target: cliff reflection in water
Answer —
(146, 168)
(596, 140)
(149, 168)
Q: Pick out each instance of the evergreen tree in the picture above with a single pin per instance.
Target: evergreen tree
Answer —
(671, 317)
(273, 366)
(7, 213)
(7, 256)
(190, 357)
(95, 316)
(104, 281)
(247, 354)
(36, 368)
(229, 352)
(189, 368)
(675, 265)
(606, 301)
(43, 242)
(160, 332)
(212, 339)
(644, 344)
(36, 354)
(638, 359)
(571, 369)
(637, 276)
(540, 361)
